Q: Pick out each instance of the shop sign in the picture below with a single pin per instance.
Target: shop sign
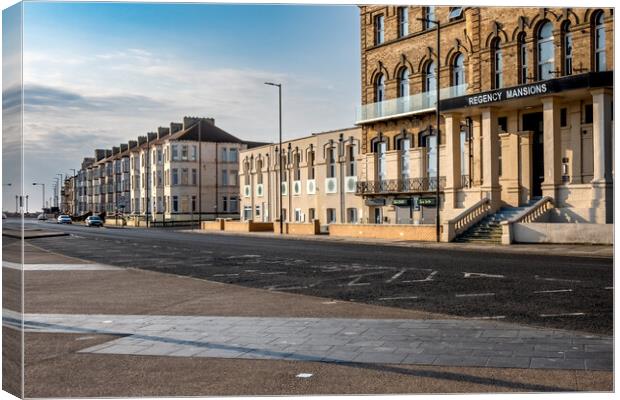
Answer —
(427, 201)
(507, 94)
(375, 202)
(402, 202)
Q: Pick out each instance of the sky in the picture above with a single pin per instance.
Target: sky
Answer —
(99, 74)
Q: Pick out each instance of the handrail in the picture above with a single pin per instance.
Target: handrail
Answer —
(465, 219)
(535, 211)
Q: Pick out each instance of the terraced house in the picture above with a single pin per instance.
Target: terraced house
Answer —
(176, 174)
(526, 115)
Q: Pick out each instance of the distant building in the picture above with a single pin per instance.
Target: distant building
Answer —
(175, 174)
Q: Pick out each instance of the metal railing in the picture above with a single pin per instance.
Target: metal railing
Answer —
(406, 105)
(411, 185)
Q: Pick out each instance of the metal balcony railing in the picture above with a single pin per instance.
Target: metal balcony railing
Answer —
(411, 185)
(402, 106)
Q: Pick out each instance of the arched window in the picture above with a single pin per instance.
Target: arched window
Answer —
(522, 58)
(497, 63)
(259, 172)
(296, 170)
(379, 147)
(331, 163)
(458, 74)
(567, 49)
(246, 172)
(545, 52)
(380, 88)
(403, 82)
(311, 165)
(428, 139)
(430, 79)
(402, 145)
(599, 43)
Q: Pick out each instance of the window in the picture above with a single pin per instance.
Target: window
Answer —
(224, 153)
(380, 148)
(193, 203)
(194, 153)
(184, 176)
(331, 215)
(311, 214)
(567, 37)
(311, 165)
(159, 180)
(522, 58)
(403, 82)
(403, 21)
(380, 88)
(194, 176)
(331, 163)
(159, 156)
(379, 29)
(599, 43)
(259, 172)
(184, 152)
(352, 215)
(502, 124)
(587, 114)
(233, 177)
(545, 51)
(455, 13)
(430, 142)
(175, 176)
(298, 215)
(175, 203)
(403, 145)
(175, 152)
(296, 170)
(563, 118)
(430, 79)
(458, 74)
(429, 15)
(225, 203)
(497, 64)
(233, 204)
(351, 161)
(232, 155)
(224, 177)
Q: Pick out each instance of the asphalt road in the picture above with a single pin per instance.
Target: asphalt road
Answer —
(552, 291)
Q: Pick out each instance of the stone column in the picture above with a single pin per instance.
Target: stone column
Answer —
(525, 166)
(476, 168)
(574, 120)
(490, 157)
(602, 196)
(452, 158)
(552, 147)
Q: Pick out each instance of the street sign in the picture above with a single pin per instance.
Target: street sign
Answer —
(402, 202)
(375, 202)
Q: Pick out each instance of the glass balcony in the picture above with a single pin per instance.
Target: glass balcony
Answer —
(406, 105)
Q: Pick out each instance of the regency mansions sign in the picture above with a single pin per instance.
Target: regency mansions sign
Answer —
(507, 94)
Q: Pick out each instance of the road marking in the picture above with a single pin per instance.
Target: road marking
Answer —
(276, 287)
(58, 267)
(555, 279)
(304, 375)
(493, 317)
(480, 275)
(427, 279)
(475, 295)
(226, 275)
(245, 256)
(577, 314)
(355, 282)
(554, 291)
(272, 273)
(609, 288)
(396, 276)
(398, 298)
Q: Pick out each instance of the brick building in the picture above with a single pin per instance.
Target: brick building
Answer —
(526, 100)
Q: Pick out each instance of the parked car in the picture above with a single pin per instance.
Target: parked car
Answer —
(94, 220)
(42, 217)
(4, 216)
(64, 219)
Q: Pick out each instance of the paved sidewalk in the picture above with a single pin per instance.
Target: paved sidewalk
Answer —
(336, 340)
(569, 250)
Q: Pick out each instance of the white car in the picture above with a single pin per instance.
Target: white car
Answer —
(63, 219)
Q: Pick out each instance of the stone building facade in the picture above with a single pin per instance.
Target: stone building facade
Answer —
(174, 174)
(319, 178)
(526, 110)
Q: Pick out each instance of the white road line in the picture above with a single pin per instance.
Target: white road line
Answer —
(355, 282)
(398, 298)
(554, 291)
(493, 317)
(396, 276)
(427, 279)
(475, 295)
(58, 267)
(479, 275)
(245, 256)
(272, 273)
(577, 314)
(609, 288)
(226, 275)
(555, 279)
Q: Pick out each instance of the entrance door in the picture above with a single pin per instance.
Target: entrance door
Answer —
(377, 215)
(534, 122)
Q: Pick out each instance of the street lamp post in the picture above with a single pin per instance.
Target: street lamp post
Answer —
(42, 196)
(61, 184)
(74, 191)
(279, 85)
(437, 109)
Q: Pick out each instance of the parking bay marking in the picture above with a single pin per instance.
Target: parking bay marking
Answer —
(481, 275)
(554, 291)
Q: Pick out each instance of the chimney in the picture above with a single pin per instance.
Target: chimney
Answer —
(108, 153)
(175, 127)
(161, 132)
(99, 154)
(124, 147)
(141, 140)
(152, 136)
(116, 150)
(133, 143)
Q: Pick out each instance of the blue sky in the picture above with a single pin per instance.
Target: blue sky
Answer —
(98, 74)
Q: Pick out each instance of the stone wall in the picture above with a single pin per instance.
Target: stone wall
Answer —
(563, 233)
(385, 231)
